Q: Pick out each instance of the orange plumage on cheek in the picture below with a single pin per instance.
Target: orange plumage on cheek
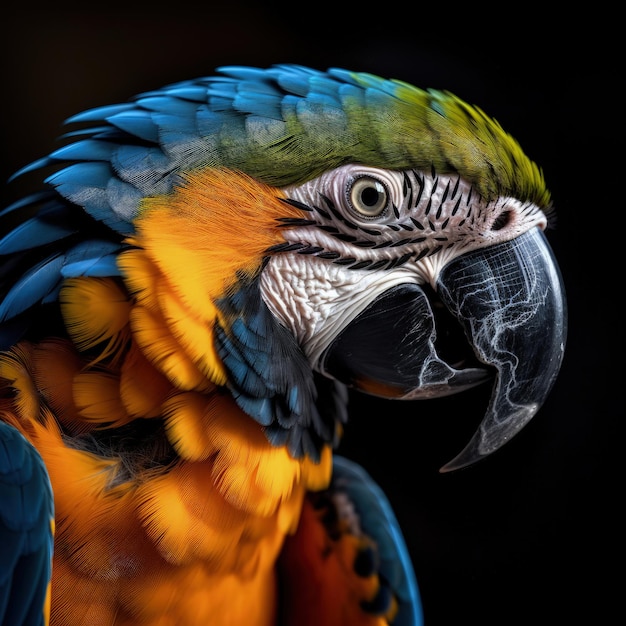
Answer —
(191, 246)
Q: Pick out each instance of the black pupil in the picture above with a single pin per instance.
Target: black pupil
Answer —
(369, 196)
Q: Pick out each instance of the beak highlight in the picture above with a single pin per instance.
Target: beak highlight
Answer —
(510, 300)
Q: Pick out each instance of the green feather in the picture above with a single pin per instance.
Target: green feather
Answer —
(382, 123)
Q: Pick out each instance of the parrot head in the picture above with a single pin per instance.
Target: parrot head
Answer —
(293, 234)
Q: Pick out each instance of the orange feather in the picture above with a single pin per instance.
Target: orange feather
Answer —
(184, 526)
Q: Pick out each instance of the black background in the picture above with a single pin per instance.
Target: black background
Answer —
(531, 535)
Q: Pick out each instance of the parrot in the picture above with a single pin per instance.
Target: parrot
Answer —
(198, 283)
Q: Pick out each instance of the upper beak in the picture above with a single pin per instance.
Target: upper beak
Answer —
(510, 302)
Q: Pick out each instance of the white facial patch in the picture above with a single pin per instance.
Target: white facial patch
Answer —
(316, 300)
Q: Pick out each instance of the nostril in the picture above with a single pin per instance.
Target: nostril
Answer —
(502, 220)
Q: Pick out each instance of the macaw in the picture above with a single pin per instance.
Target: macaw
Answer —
(204, 277)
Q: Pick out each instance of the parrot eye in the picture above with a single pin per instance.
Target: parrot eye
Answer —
(368, 196)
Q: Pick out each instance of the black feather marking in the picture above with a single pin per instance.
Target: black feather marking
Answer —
(283, 247)
(329, 255)
(365, 562)
(407, 188)
(371, 231)
(330, 205)
(420, 181)
(338, 215)
(402, 242)
(400, 260)
(296, 204)
(456, 187)
(456, 206)
(361, 265)
(295, 221)
(323, 213)
(290, 247)
(417, 223)
(378, 265)
(443, 199)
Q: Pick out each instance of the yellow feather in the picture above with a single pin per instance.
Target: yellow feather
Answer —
(188, 425)
(56, 363)
(97, 397)
(95, 310)
(16, 369)
(154, 338)
(187, 519)
(176, 279)
(195, 335)
(222, 208)
(142, 388)
(140, 275)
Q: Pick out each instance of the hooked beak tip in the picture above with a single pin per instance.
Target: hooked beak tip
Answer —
(491, 435)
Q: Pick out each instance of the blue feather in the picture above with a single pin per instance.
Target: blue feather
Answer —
(262, 409)
(379, 522)
(188, 91)
(31, 167)
(264, 105)
(241, 72)
(99, 114)
(209, 121)
(179, 136)
(92, 258)
(325, 86)
(144, 171)
(33, 198)
(32, 287)
(137, 123)
(295, 79)
(26, 534)
(94, 132)
(165, 104)
(86, 150)
(86, 184)
(36, 231)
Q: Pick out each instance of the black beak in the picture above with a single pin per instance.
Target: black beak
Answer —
(509, 301)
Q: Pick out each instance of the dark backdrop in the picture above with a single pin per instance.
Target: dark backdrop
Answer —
(530, 536)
